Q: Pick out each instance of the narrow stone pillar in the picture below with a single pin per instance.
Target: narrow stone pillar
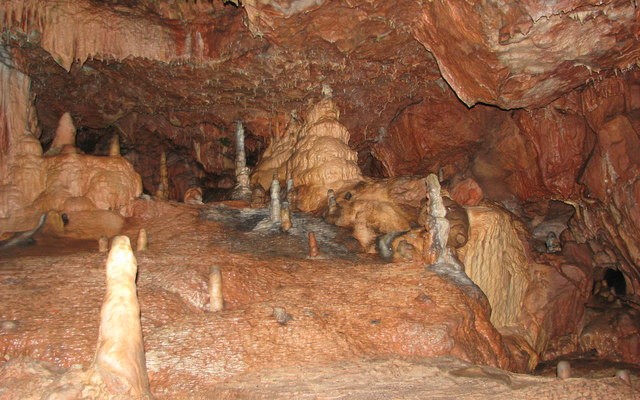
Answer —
(120, 360)
(274, 209)
(141, 243)
(216, 303)
(163, 187)
(291, 195)
(242, 190)
(285, 217)
(438, 222)
(103, 244)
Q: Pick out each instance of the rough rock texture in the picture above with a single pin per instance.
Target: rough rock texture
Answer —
(613, 334)
(399, 310)
(186, 71)
(539, 300)
(515, 102)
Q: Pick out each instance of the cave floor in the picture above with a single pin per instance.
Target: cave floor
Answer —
(344, 335)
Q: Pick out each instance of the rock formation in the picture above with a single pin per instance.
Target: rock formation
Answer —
(93, 191)
(527, 112)
(317, 157)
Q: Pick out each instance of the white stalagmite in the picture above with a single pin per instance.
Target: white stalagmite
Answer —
(242, 190)
(438, 224)
(120, 359)
(216, 303)
(274, 209)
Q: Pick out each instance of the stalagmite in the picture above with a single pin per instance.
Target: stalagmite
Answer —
(437, 227)
(65, 135)
(291, 194)
(274, 209)
(103, 244)
(193, 195)
(242, 190)
(141, 243)
(552, 243)
(163, 187)
(114, 146)
(313, 245)
(215, 290)
(624, 375)
(281, 315)
(120, 359)
(564, 370)
(285, 217)
(438, 223)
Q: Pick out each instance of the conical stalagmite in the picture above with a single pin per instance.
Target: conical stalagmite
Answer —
(120, 360)
(114, 146)
(216, 302)
(141, 243)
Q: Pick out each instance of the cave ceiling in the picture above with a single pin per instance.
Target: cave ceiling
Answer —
(186, 70)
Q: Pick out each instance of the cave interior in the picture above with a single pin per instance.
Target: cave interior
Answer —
(298, 198)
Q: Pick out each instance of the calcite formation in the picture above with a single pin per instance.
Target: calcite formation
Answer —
(92, 191)
(316, 157)
(527, 112)
(540, 301)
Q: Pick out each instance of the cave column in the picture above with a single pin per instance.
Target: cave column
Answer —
(22, 173)
(242, 190)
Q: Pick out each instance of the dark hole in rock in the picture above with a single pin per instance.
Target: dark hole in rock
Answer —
(615, 279)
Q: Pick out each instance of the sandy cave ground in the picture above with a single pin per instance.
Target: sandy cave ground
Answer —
(354, 327)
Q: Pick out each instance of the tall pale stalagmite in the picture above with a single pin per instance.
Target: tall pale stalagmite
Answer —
(120, 359)
(242, 190)
(216, 302)
(274, 209)
(163, 187)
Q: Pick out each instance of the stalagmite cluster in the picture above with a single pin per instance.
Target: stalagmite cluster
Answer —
(315, 155)
(399, 180)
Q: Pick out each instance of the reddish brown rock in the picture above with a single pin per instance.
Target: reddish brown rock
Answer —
(610, 177)
(420, 140)
(613, 334)
(526, 53)
(467, 192)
